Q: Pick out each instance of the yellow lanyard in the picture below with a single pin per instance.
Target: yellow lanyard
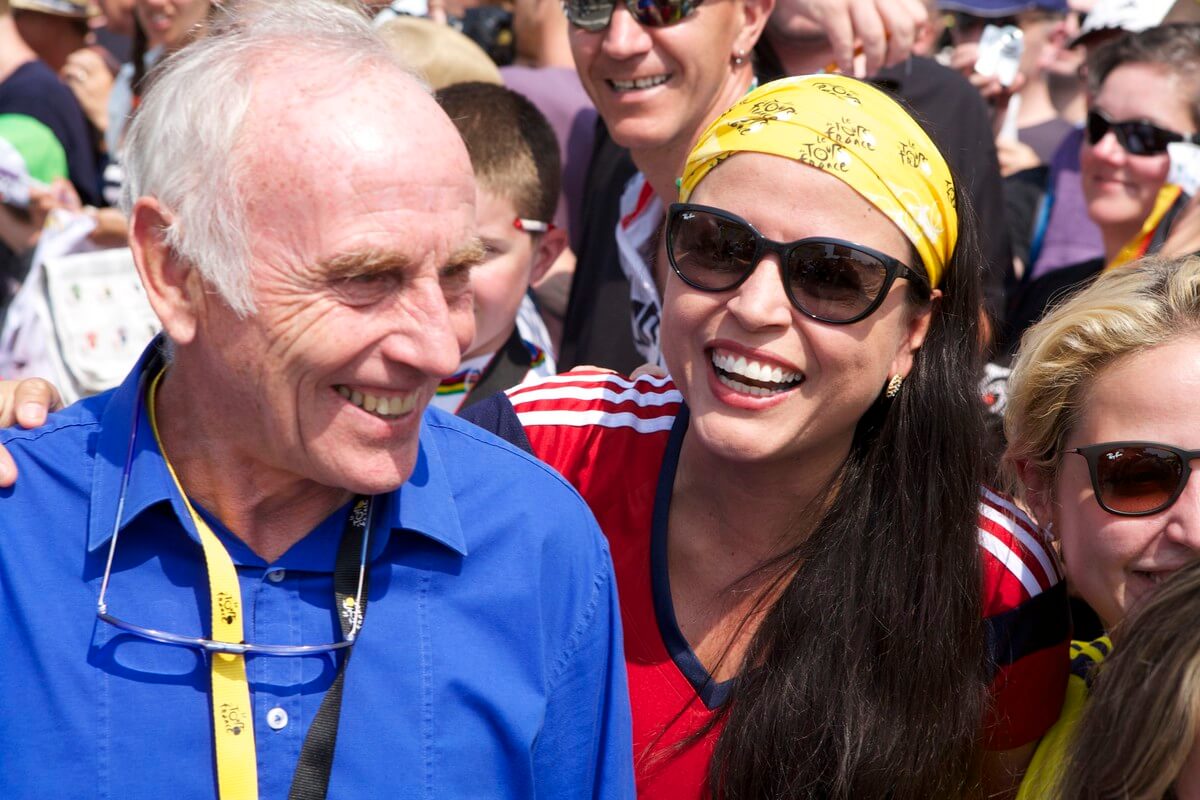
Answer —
(232, 714)
(1137, 246)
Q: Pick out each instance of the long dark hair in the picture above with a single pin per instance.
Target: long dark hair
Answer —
(867, 676)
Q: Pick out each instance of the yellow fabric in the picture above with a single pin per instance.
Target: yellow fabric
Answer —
(233, 720)
(856, 133)
(1136, 247)
(1049, 759)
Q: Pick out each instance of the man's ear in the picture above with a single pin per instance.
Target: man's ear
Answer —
(173, 286)
(549, 246)
(1039, 491)
(755, 14)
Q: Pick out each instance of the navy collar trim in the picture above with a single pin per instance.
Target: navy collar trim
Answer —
(712, 693)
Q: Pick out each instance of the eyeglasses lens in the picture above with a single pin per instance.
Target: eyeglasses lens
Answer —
(709, 251)
(1137, 480)
(833, 281)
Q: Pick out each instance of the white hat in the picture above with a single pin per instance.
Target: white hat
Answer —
(1125, 15)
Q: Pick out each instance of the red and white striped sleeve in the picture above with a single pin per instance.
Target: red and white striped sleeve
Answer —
(1028, 623)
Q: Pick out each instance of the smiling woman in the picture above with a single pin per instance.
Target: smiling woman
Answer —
(1101, 428)
(795, 516)
(1143, 97)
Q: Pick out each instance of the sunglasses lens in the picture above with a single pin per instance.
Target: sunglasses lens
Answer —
(590, 15)
(660, 13)
(1137, 137)
(709, 251)
(1137, 479)
(1144, 139)
(834, 282)
(1097, 126)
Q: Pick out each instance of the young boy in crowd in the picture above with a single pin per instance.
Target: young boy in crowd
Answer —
(515, 156)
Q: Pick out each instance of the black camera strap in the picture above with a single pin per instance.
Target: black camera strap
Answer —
(311, 779)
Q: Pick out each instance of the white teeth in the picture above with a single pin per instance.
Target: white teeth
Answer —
(380, 405)
(640, 83)
(755, 371)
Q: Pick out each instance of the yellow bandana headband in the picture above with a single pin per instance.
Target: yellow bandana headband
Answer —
(854, 132)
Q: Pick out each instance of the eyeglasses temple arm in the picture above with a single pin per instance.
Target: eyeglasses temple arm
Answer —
(112, 541)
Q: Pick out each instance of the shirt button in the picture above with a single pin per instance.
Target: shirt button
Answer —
(276, 575)
(277, 718)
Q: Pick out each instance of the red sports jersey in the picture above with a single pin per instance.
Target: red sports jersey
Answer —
(618, 442)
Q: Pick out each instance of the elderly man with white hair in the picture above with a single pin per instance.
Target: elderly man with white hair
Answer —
(260, 567)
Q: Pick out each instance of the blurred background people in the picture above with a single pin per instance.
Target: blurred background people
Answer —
(1143, 94)
(1057, 229)
(53, 28)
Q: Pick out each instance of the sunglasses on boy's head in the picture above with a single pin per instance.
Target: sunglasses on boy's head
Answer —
(827, 279)
(1134, 479)
(1138, 136)
(595, 15)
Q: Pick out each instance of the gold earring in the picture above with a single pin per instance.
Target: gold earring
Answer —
(893, 386)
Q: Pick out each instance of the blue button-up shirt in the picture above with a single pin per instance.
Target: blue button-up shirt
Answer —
(489, 664)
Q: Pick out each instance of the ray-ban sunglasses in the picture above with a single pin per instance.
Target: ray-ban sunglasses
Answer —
(1136, 479)
(830, 280)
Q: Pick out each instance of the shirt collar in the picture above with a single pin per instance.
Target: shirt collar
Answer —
(423, 505)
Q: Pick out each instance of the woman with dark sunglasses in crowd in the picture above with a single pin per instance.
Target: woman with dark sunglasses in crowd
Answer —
(1144, 94)
(1101, 423)
(796, 517)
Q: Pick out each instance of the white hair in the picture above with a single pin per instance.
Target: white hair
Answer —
(183, 146)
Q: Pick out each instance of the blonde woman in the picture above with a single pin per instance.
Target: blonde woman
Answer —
(1102, 433)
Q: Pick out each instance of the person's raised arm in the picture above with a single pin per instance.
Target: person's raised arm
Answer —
(25, 403)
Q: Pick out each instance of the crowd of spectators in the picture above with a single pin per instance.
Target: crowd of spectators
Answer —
(868, 331)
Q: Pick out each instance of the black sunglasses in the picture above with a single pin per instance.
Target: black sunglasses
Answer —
(1135, 479)
(830, 280)
(1139, 137)
(595, 15)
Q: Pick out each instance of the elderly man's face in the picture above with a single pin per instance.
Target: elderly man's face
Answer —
(360, 209)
